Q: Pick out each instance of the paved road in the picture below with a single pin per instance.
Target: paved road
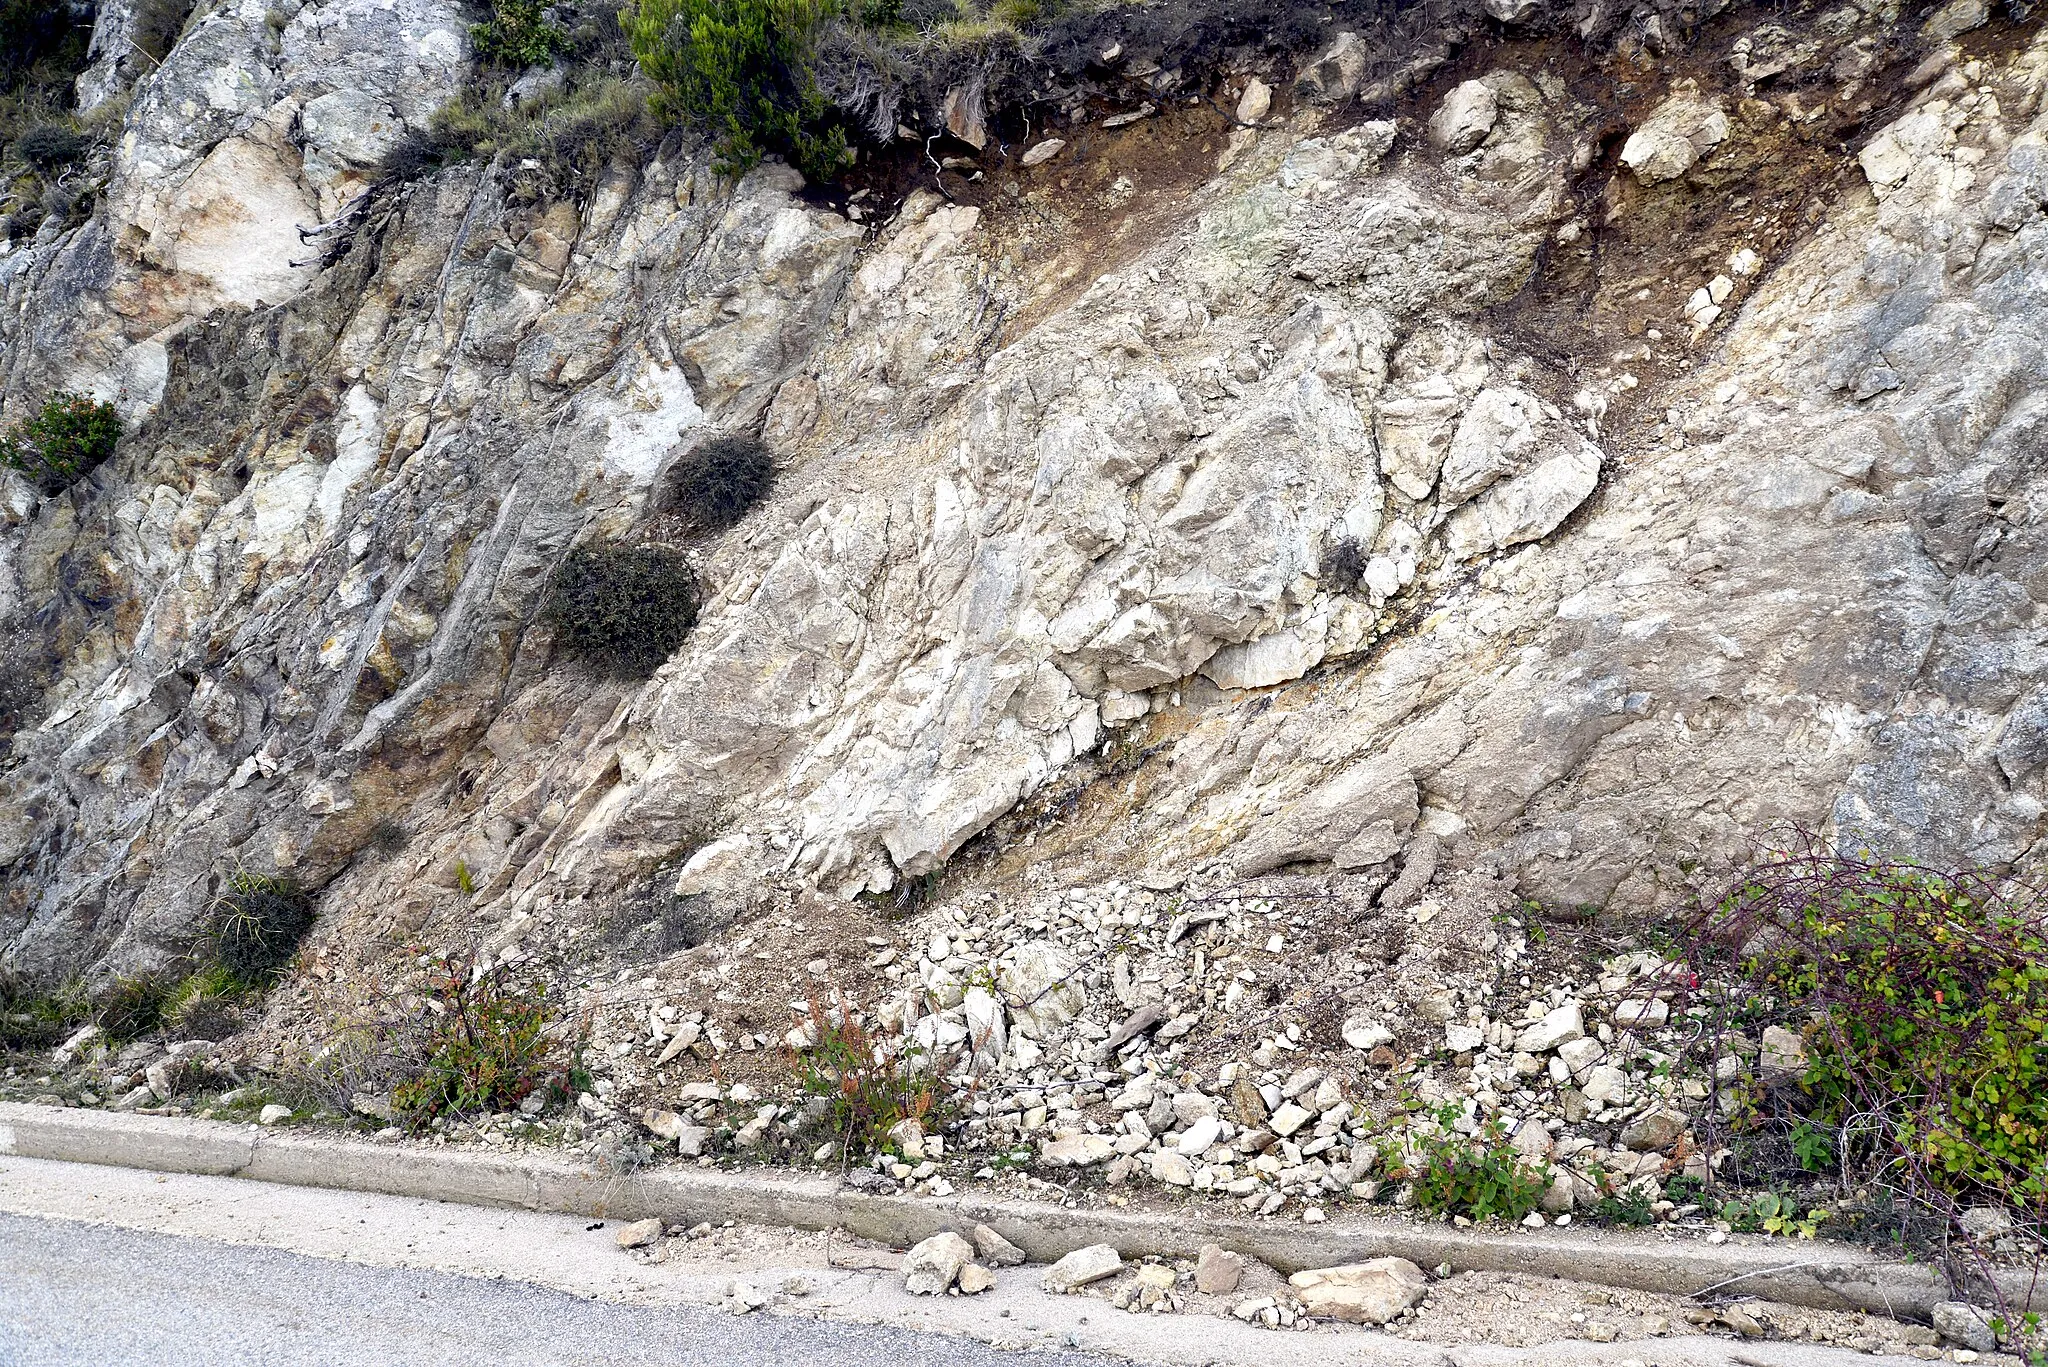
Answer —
(100, 1297)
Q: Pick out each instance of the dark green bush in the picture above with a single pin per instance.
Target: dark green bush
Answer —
(517, 35)
(742, 69)
(61, 444)
(47, 146)
(718, 482)
(624, 608)
(257, 925)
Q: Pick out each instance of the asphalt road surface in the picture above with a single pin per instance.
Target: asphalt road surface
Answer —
(74, 1295)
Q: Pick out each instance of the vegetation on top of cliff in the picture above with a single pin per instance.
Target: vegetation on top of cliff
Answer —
(518, 34)
(742, 70)
(62, 442)
(625, 609)
(42, 50)
(558, 134)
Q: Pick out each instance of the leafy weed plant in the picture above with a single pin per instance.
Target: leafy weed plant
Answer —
(1450, 1174)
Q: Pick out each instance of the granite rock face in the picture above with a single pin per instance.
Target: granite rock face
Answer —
(1037, 499)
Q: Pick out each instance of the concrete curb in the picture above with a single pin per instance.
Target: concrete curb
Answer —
(1820, 1275)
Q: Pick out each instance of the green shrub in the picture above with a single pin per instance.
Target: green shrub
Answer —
(491, 1044)
(623, 608)
(1478, 1179)
(718, 482)
(517, 35)
(256, 928)
(1923, 1001)
(61, 444)
(742, 69)
(46, 146)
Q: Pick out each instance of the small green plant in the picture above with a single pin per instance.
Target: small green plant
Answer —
(464, 880)
(492, 1043)
(32, 1018)
(1769, 1213)
(716, 483)
(1478, 1179)
(517, 35)
(623, 608)
(2023, 1338)
(1629, 1206)
(867, 1090)
(258, 922)
(743, 70)
(62, 443)
(1813, 1145)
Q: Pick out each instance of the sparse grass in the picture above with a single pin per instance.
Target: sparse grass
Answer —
(572, 136)
(206, 1005)
(625, 609)
(37, 1018)
(133, 1007)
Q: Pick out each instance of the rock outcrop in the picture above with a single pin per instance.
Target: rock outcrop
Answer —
(1066, 473)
